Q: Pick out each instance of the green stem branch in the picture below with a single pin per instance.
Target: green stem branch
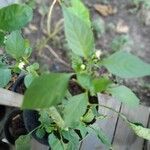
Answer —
(112, 109)
(50, 16)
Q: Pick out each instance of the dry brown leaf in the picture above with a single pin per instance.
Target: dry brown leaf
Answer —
(122, 27)
(26, 30)
(32, 27)
(105, 10)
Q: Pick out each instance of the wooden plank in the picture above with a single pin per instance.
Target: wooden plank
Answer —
(108, 125)
(37, 146)
(124, 138)
(10, 98)
(4, 3)
(146, 142)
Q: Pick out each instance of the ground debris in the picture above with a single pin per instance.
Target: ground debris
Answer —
(33, 27)
(122, 27)
(145, 16)
(105, 10)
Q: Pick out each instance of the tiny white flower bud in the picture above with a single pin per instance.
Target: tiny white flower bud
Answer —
(98, 53)
(82, 66)
(66, 129)
(21, 65)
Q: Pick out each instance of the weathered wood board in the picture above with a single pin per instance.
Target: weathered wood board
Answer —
(37, 146)
(108, 125)
(4, 3)
(124, 138)
(34, 146)
(9, 98)
(147, 143)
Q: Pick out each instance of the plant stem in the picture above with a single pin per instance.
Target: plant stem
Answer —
(49, 17)
(58, 28)
(61, 139)
(25, 60)
(35, 129)
(120, 114)
(44, 42)
(56, 56)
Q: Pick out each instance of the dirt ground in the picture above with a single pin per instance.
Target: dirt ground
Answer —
(139, 32)
(135, 18)
(135, 31)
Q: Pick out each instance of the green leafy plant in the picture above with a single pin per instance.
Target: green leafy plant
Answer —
(145, 3)
(99, 26)
(122, 42)
(64, 101)
(19, 49)
(14, 17)
(15, 11)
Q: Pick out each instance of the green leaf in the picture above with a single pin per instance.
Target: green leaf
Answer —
(101, 84)
(89, 116)
(76, 63)
(2, 35)
(5, 76)
(78, 34)
(99, 26)
(100, 135)
(23, 143)
(126, 65)
(44, 118)
(78, 8)
(54, 142)
(103, 137)
(141, 131)
(75, 108)
(15, 44)
(46, 91)
(3, 65)
(40, 133)
(33, 67)
(125, 95)
(85, 81)
(121, 42)
(73, 139)
(28, 49)
(83, 129)
(55, 115)
(29, 79)
(31, 3)
(14, 17)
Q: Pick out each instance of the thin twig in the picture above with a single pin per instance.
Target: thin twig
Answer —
(56, 56)
(49, 17)
(57, 29)
(42, 24)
